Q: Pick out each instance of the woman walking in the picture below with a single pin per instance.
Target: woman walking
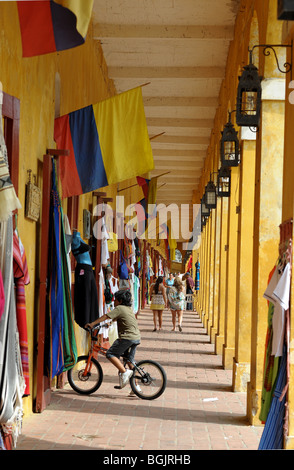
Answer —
(176, 299)
(158, 301)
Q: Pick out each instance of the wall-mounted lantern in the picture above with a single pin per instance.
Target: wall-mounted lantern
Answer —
(224, 182)
(205, 211)
(249, 87)
(285, 10)
(229, 145)
(210, 195)
(249, 96)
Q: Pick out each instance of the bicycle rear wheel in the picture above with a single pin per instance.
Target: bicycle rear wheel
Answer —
(89, 383)
(148, 380)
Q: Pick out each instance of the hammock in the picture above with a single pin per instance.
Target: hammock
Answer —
(62, 348)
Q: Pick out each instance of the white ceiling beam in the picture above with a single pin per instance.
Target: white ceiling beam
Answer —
(101, 31)
(166, 72)
(181, 139)
(190, 101)
(179, 122)
(183, 153)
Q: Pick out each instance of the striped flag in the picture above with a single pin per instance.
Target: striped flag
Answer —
(108, 143)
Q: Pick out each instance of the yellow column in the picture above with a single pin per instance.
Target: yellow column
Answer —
(288, 213)
(211, 272)
(217, 234)
(219, 338)
(206, 277)
(267, 218)
(230, 305)
(241, 364)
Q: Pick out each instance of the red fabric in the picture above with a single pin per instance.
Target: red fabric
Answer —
(21, 277)
(36, 28)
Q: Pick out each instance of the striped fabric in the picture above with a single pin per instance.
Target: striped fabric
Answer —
(108, 143)
(21, 278)
(272, 436)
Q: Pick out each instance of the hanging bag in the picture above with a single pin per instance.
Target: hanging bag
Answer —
(123, 271)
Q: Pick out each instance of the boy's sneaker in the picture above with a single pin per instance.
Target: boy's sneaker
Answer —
(125, 377)
(132, 394)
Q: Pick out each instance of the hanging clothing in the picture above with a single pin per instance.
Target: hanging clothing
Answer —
(12, 384)
(21, 278)
(197, 276)
(86, 296)
(2, 295)
(136, 294)
(189, 290)
(8, 198)
(62, 352)
(272, 436)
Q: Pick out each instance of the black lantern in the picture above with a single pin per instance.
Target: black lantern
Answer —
(224, 182)
(229, 146)
(203, 222)
(205, 211)
(249, 96)
(286, 10)
(210, 195)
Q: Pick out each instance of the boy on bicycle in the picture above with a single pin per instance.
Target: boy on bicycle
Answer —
(128, 333)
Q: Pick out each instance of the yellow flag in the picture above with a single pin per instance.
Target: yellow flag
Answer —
(123, 136)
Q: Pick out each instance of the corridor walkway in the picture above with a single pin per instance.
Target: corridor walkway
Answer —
(198, 411)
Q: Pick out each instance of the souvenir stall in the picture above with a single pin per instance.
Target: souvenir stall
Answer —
(274, 400)
(57, 348)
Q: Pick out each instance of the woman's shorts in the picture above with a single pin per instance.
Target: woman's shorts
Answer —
(120, 346)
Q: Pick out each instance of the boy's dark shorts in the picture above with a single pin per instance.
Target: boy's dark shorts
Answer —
(119, 346)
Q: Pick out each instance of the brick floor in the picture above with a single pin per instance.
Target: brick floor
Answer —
(198, 410)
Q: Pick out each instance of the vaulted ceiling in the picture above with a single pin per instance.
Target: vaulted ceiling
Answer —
(179, 49)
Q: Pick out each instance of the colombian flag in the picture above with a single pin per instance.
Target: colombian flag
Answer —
(53, 25)
(108, 143)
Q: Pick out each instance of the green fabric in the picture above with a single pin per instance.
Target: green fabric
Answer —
(69, 341)
(271, 368)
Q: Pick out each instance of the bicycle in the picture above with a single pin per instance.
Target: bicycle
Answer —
(148, 381)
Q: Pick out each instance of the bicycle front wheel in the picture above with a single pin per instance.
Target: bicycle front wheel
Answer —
(148, 380)
(85, 383)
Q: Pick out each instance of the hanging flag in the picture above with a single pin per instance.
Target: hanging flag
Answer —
(140, 208)
(108, 143)
(144, 183)
(53, 25)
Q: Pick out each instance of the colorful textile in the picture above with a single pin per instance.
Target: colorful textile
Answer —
(63, 350)
(21, 278)
(197, 276)
(272, 436)
(108, 143)
(8, 198)
(53, 25)
(271, 363)
(12, 384)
